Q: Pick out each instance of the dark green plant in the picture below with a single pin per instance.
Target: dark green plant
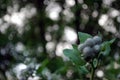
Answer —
(90, 51)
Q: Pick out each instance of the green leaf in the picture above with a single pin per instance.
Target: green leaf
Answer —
(111, 41)
(57, 63)
(99, 34)
(62, 70)
(75, 46)
(43, 65)
(83, 70)
(106, 47)
(95, 62)
(83, 36)
(74, 56)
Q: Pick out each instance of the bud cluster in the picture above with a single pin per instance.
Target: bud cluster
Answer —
(90, 48)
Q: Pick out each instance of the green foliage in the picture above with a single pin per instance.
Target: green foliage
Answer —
(105, 47)
(95, 62)
(83, 36)
(83, 70)
(43, 66)
(75, 55)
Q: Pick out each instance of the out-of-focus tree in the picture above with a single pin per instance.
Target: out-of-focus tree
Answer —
(33, 34)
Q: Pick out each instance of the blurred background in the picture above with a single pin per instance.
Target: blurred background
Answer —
(33, 34)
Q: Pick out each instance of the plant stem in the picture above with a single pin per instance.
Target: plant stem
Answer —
(92, 73)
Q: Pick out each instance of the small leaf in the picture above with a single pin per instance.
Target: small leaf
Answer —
(74, 46)
(83, 36)
(106, 47)
(95, 62)
(99, 34)
(83, 70)
(107, 51)
(111, 41)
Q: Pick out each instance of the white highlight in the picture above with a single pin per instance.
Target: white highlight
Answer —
(20, 18)
(95, 14)
(108, 2)
(54, 15)
(103, 19)
(19, 68)
(114, 13)
(70, 2)
(68, 15)
(4, 27)
(60, 47)
(19, 47)
(53, 10)
(48, 37)
(17, 19)
(50, 46)
(100, 73)
(84, 6)
(70, 35)
(34, 78)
